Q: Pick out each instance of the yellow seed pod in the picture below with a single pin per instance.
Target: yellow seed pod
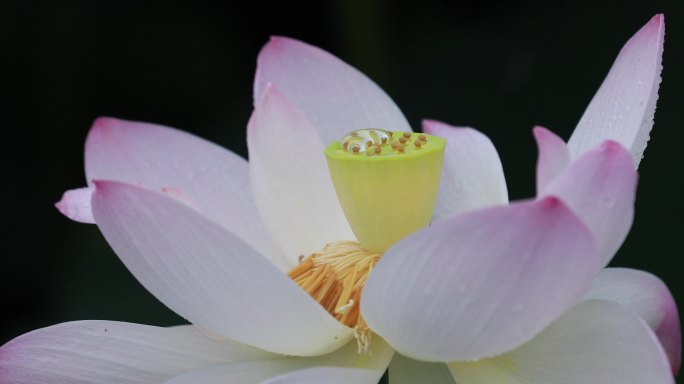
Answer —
(390, 194)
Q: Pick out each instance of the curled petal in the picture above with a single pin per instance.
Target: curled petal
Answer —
(600, 188)
(290, 179)
(481, 283)
(596, 342)
(75, 204)
(209, 276)
(624, 106)
(472, 175)
(648, 297)
(211, 179)
(335, 97)
(553, 157)
(103, 352)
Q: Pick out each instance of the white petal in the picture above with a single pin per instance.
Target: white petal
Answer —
(553, 157)
(481, 283)
(344, 366)
(472, 176)
(327, 375)
(624, 106)
(335, 97)
(649, 298)
(209, 276)
(290, 179)
(211, 179)
(600, 188)
(75, 204)
(403, 370)
(113, 352)
(597, 342)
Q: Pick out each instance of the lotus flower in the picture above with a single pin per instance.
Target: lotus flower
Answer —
(489, 292)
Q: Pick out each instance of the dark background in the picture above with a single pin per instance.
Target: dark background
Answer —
(498, 66)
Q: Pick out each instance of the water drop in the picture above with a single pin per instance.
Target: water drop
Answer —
(361, 140)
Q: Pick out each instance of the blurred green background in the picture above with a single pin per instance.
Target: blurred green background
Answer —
(498, 66)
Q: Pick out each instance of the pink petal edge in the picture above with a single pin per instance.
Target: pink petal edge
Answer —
(553, 156)
(647, 296)
(624, 106)
(75, 204)
(600, 187)
(481, 283)
(472, 174)
(331, 94)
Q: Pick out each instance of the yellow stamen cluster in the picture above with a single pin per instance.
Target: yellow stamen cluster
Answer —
(335, 277)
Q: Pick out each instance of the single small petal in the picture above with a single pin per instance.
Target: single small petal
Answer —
(214, 180)
(403, 370)
(472, 175)
(75, 204)
(648, 297)
(481, 283)
(600, 188)
(335, 97)
(209, 276)
(553, 157)
(596, 342)
(345, 365)
(292, 187)
(113, 352)
(624, 106)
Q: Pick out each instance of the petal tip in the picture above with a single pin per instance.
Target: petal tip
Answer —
(276, 44)
(104, 123)
(103, 128)
(614, 150)
(551, 203)
(612, 146)
(540, 133)
(654, 27)
(658, 20)
(539, 130)
(75, 204)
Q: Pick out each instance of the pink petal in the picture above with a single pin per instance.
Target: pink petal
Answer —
(75, 204)
(648, 297)
(214, 180)
(600, 188)
(624, 106)
(472, 176)
(596, 342)
(403, 370)
(209, 276)
(342, 366)
(553, 157)
(335, 97)
(113, 352)
(290, 179)
(481, 283)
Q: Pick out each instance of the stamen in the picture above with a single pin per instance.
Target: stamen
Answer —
(335, 277)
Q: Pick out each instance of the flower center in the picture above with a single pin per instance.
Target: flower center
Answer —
(387, 184)
(335, 277)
